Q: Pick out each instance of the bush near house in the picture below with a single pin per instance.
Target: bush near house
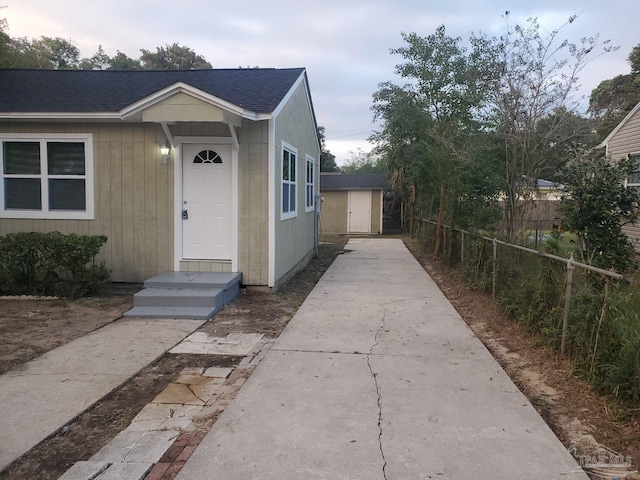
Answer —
(51, 263)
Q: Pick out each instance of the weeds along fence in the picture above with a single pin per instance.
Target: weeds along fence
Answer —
(585, 313)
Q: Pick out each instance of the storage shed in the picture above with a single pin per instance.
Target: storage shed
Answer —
(352, 203)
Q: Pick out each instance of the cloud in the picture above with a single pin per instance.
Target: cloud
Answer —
(344, 45)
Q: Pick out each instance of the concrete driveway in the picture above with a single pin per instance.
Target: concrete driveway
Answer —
(378, 377)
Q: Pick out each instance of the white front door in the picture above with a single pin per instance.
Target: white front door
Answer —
(359, 211)
(206, 202)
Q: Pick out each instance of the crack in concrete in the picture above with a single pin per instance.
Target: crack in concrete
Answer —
(124, 459)
(375, 382)
(190, 387)
(400, 300)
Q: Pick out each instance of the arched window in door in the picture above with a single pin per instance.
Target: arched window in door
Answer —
(207, 156)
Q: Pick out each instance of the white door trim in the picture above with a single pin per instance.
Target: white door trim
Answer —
(178, 195)
(273, 204)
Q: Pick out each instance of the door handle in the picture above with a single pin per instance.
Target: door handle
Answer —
(185, 214)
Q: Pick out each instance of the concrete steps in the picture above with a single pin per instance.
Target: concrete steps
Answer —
(186, 295)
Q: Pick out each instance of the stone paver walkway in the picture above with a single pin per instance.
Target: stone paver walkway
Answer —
(46, 393)
(162, 437)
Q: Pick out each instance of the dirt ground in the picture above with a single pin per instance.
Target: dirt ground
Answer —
(29, 328)
(568, 404)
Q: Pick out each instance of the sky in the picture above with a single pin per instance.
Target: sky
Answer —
(344, 44)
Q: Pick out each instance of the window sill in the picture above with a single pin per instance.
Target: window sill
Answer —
(62, 215)
(288, 216)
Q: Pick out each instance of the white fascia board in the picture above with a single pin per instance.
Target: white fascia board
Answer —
(272, 203)
(301, 79)
(288, 96)
(605, 142)
(60, 116)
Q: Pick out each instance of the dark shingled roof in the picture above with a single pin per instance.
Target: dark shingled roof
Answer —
(259, 90)
(355, 181)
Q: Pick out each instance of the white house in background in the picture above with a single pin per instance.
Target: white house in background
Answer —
(548, 190)
(623, 141)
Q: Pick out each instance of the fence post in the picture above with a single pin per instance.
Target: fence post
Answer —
(461, 247)
(495, 266)
(444, 242)
(567, 304)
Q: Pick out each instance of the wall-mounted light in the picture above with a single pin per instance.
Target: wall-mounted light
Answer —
(164, 150)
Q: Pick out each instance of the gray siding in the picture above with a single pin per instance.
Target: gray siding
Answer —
(294, 237)
(626, 141)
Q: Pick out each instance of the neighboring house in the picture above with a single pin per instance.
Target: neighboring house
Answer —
(549, 191)
(623, 141)
(352, 203)
(199, 171)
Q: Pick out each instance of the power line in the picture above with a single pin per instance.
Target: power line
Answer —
(348, 133)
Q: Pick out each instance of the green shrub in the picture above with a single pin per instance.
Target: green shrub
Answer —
(51, 264)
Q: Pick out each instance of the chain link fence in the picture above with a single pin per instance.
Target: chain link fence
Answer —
(583, 312)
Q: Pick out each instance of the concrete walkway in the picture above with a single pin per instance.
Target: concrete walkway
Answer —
(46, 393)
(377, 377)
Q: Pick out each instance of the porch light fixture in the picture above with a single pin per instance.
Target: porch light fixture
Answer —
(164, 150)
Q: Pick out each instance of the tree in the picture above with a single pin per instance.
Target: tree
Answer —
(534, 76)
(614, 98)
(634, 60)
(7, 51)
(59, 53)
(562, 139)
(120, 61)
(327, 159)
(54, 53)
(598, 205)
(364, 162)
(444, 92)
(173, 57)
(99, 61)
(403, 143)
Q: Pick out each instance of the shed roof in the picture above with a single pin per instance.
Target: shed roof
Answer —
(259, 90)
(354, 181)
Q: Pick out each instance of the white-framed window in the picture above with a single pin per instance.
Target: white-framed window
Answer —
(46, 176)
(310, 183)
(289, 181)
(633, 180)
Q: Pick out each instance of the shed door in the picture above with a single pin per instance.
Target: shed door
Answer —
(359, 211)
(206, 198)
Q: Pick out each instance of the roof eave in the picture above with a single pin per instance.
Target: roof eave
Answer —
(301, 79)
(605, 142)
(60, 116)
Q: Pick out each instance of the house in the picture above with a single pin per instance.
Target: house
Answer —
(623, 141)
(547, 190)
(352, 203)
(183, 171)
